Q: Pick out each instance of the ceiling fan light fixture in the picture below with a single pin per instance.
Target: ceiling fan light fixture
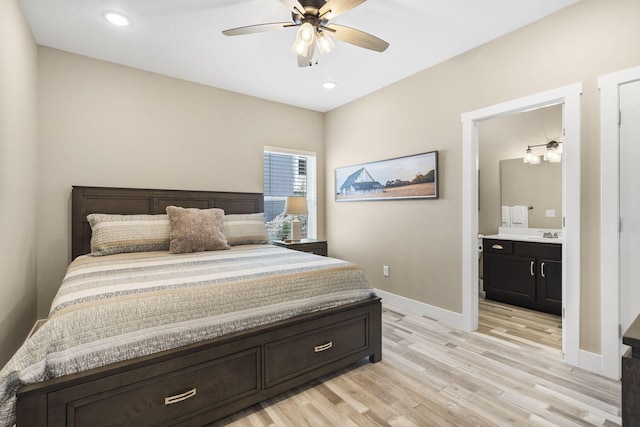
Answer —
(306, 33)
(300, 47)
(311, 18)
(325, 44)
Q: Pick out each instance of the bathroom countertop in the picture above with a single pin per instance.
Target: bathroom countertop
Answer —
(525, 238)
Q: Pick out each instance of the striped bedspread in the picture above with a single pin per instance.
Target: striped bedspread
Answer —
(118, 307)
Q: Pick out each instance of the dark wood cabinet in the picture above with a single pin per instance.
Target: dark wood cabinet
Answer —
(549, 284)
(318, 247)
(526, 274)
(631, 376)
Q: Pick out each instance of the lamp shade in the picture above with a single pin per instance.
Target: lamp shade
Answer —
(296, 205)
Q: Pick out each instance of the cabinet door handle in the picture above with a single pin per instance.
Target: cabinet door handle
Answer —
(542, 270)
(497, 247)
(179, 397)
(531, 268)
(323, 347)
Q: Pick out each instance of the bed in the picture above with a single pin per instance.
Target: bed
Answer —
(213, 373)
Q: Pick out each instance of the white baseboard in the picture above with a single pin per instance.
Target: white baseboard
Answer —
(447, 317)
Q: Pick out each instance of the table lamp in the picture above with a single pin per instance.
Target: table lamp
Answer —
(295, 205)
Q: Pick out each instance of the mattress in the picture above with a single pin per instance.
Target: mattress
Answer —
(119, 307)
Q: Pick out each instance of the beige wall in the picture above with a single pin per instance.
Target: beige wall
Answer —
(421, 240)
(108, 125)
(507, 138)
(18, 172)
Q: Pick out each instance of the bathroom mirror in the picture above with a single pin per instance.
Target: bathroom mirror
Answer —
(508, 137)
(536, 186)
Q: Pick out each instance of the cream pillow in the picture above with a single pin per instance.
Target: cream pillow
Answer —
(196, 230)
(114, 234)
(245, 229)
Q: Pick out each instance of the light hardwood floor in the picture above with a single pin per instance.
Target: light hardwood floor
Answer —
(434, 375)
(521, 326)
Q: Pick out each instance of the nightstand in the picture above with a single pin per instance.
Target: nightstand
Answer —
(318, 247)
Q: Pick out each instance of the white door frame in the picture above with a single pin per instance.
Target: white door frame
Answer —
(571, 183)
(610, 213)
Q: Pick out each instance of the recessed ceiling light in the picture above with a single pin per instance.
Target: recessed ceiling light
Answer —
(117, 19)
(329, 85)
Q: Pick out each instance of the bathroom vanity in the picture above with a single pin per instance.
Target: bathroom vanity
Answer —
(524, 270)
(631, 376)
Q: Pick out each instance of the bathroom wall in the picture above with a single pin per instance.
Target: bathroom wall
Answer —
(505, 138)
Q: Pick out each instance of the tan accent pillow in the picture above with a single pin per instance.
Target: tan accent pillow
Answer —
(245, 229)
(115, 234)
(196, 230)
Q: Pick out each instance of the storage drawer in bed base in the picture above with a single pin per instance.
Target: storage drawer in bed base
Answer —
(198, 384)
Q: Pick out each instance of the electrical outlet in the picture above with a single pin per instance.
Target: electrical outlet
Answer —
(550, 213)
(385, 271)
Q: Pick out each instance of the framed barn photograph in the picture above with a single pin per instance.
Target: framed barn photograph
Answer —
(409, 177)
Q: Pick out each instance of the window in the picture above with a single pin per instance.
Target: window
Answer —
(289, 173)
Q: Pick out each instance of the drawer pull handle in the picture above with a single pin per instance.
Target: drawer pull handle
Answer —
(497, 247)
(179, 397)
(532, 272)
(323, 347)
(542, 270)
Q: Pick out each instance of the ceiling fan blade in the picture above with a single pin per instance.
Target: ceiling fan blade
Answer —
(333, 8)
(306, 60)
(293, 5)
(259, 28)
(357, 37)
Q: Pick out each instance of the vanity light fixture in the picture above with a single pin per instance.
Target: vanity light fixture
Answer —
(530, 158)
(117, 19)
(552, 154)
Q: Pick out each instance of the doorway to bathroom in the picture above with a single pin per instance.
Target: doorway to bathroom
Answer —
(569, 98)
(520, 170)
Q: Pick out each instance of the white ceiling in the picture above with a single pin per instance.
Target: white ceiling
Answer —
(183, 39)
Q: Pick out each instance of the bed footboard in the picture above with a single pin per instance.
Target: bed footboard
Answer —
(204, 382)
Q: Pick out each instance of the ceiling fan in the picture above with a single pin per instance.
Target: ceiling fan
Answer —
(312, 19)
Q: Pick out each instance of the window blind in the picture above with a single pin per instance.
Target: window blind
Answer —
(289, 173)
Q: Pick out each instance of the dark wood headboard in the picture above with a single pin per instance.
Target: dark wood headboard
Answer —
(129, 201)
